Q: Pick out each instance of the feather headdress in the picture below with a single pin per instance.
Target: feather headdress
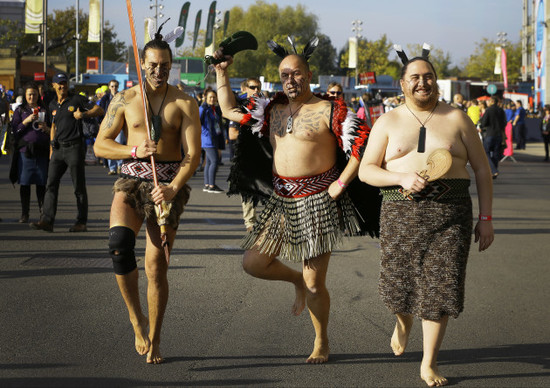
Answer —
(404, 59)
(171, 36)
(282, 52)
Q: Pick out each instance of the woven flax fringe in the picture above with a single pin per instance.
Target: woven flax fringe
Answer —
(298, 229)
(138, 196)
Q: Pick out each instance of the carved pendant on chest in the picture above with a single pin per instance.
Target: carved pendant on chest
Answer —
(289, 124)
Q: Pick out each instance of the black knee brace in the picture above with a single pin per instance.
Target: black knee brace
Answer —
(122, 241)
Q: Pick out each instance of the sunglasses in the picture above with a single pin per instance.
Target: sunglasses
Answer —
(255, 87)
(334, 92)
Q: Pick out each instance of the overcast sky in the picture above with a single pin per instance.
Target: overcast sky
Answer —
(453, 26)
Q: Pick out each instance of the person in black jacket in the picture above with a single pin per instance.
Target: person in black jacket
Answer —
(492, 125)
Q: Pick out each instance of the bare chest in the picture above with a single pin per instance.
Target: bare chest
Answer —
(307, 124)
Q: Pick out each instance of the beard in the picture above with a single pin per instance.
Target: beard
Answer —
(294, 89)
(425, 97)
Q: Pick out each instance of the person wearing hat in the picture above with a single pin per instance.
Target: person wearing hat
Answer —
(67, 152)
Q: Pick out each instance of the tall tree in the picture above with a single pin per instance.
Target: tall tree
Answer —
(62, 22)
(372, 55)
(481, 64)
(269, 22)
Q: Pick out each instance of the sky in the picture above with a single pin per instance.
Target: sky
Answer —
(453, 26)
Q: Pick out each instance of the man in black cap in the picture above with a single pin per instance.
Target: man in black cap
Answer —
(67, 151)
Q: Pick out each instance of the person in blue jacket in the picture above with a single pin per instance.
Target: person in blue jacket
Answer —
(211, 123)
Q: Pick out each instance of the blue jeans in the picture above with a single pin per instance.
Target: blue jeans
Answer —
(114, 164)
(63, 158)
(211, 166)
(492, 149)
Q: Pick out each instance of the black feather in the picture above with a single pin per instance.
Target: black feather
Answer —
(277, 48)
(158, 35)
(310, 47)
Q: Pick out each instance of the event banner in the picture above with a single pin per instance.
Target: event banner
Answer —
(183, 22)
(149, 25)
(352, 60)
(209, 38)
(33, 16)
(94, 22)
(197, 26)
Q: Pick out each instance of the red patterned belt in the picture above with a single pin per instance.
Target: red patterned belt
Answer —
(143, 171)
(304, 186)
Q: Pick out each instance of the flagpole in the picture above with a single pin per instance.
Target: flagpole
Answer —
(44, 35)
(101, 36)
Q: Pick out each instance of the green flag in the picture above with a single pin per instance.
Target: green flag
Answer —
(183, 22)
(197, 25)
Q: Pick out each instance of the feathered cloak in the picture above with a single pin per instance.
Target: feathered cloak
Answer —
(251, 172)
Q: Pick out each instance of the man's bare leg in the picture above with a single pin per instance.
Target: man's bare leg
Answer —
(318, 303)
(123, 215)
(400, 336)
(268, 267)
(156, 269)
(433, 332)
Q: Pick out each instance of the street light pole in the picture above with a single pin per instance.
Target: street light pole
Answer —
(77, 37)
(157, 7)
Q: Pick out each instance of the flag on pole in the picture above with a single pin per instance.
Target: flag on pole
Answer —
(209, 38)
(197, 26)
(33, 16)
(352, 60)
(183, 22)
(149, 26)
(94, 22)
(225, 22)
(504, 68)
(498, 68)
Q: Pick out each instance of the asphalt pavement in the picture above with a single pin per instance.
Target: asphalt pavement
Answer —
(63, 322)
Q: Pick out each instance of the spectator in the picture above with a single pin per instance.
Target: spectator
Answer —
(210, 116)
(31, 130)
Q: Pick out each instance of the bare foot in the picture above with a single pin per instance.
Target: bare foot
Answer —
(320, 353)
(142, 337)
(432, 377)
(154, 357)
(400, 337)
(300, 302)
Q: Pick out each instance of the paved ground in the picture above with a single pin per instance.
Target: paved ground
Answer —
(63, 323)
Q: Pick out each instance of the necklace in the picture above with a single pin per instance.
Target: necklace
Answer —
(422, 135)
(289, 120)
(156, 120)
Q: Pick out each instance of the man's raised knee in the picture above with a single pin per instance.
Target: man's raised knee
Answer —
(122, 241)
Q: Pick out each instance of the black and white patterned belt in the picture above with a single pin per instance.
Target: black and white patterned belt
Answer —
(143, 170)
(304, 186)
(440, 189)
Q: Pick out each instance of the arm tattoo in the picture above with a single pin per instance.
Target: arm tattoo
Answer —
(118, 102)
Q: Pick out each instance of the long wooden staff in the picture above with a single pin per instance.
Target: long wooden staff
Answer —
(163, 234)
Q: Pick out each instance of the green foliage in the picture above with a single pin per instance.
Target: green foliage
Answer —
(441, 60)
(269, 22)
(62, 23)
(372, 55)
(61, 29)
(481, 64)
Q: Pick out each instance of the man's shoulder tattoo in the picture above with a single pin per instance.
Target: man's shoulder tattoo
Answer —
(119, 101)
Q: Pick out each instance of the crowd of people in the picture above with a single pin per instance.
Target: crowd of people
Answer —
(319, 175)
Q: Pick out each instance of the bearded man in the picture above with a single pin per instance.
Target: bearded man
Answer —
(309, 209)
(425, 236)
(175, 121)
